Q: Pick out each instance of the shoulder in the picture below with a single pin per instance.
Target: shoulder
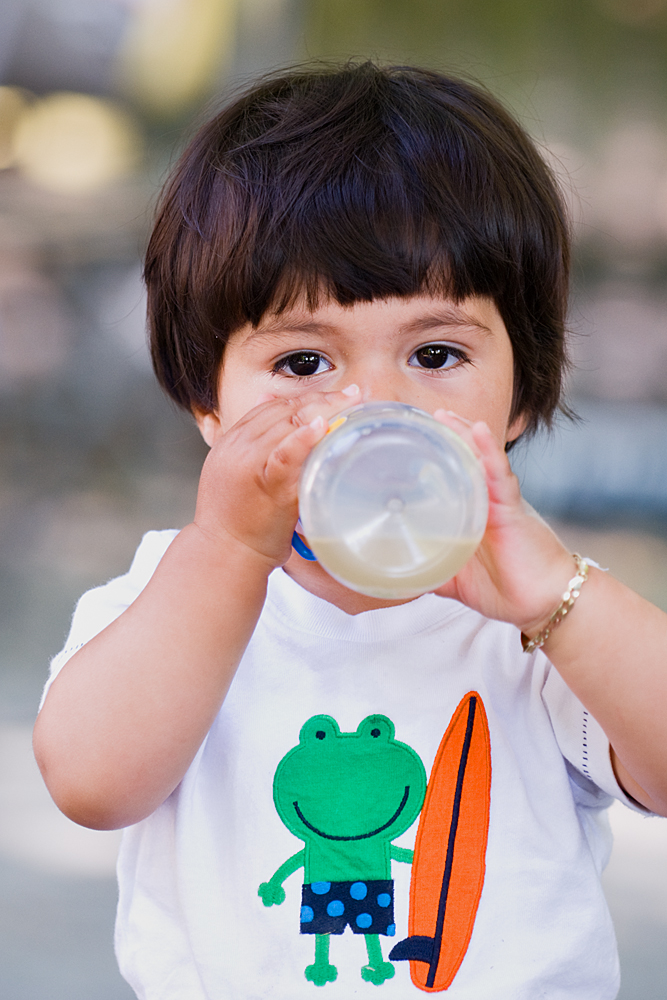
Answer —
(100, 606)
(124, 589)
(152, 547)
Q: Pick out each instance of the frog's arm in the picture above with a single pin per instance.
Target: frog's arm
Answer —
(401, 854)
(272, 891)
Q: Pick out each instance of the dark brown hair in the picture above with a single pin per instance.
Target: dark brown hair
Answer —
(358, 183)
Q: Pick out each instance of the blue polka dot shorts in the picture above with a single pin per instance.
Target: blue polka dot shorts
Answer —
(367, 907)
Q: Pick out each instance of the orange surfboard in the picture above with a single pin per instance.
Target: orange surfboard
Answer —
(450, 851)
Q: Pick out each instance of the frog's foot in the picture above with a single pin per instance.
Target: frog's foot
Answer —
(377, 974)
(377, 969)
(321, 973)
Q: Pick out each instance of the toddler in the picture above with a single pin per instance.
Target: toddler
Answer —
(438, 769)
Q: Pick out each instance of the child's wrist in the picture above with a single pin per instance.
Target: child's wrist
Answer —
(221, 546)
(535, 633)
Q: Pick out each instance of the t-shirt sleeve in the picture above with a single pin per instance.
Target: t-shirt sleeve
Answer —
(102, 605)
(584, 746)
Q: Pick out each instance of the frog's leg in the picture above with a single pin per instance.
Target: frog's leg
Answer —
(321, 972)
(377, 969)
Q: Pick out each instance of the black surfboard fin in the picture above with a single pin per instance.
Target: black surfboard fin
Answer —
(416, 948)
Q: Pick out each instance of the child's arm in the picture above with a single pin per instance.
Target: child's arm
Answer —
(126, 715)
(611, 650)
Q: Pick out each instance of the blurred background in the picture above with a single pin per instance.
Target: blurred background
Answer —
(96, 99)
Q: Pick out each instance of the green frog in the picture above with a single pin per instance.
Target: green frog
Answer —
(347, 796)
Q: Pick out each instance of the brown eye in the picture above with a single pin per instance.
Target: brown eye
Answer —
(303, 363)
(435, 356)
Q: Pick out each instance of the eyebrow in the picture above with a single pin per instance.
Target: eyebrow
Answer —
(452, 317)
(274, 327)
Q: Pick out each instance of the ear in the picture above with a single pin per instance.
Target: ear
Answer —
(209, 425)
(516, 428)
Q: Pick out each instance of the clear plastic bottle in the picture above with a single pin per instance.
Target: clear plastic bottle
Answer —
(392, 503)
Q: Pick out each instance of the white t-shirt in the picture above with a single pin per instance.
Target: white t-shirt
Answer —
(191, 925)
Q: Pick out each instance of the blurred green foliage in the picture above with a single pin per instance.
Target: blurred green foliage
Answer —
(612, 51)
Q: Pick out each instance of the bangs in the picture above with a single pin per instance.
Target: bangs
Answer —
(353, 185)
(328, 274)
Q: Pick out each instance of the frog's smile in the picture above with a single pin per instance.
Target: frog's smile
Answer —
(358, 836)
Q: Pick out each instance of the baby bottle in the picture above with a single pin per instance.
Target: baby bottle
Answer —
(391, 502)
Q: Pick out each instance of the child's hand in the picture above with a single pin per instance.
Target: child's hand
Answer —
(248, 486)
(521, 569)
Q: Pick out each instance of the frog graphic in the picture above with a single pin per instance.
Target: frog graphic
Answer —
(347, 796)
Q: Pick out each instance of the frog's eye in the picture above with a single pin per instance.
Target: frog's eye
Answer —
(319, 728)
(376, 727)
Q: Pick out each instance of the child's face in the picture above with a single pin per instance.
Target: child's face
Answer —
(429, 352)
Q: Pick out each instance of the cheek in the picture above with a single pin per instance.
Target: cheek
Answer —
(494, 402)
(229, 411)
(237, 394)
(501, 371)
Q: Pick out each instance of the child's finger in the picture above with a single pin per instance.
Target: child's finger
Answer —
(272, 417)
(270, 412)
(502, 484)
(492, 455)
(283, 466)
(324, 404)
(459, 425)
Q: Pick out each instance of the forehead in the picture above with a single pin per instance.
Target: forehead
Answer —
(415, 314)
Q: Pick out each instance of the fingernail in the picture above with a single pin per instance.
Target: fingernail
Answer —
(317, 424)
(352, 390)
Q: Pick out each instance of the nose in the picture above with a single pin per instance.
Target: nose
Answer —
(390, 385)
(380, 385)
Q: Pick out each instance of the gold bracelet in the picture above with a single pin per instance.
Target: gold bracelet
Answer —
(569, 597)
